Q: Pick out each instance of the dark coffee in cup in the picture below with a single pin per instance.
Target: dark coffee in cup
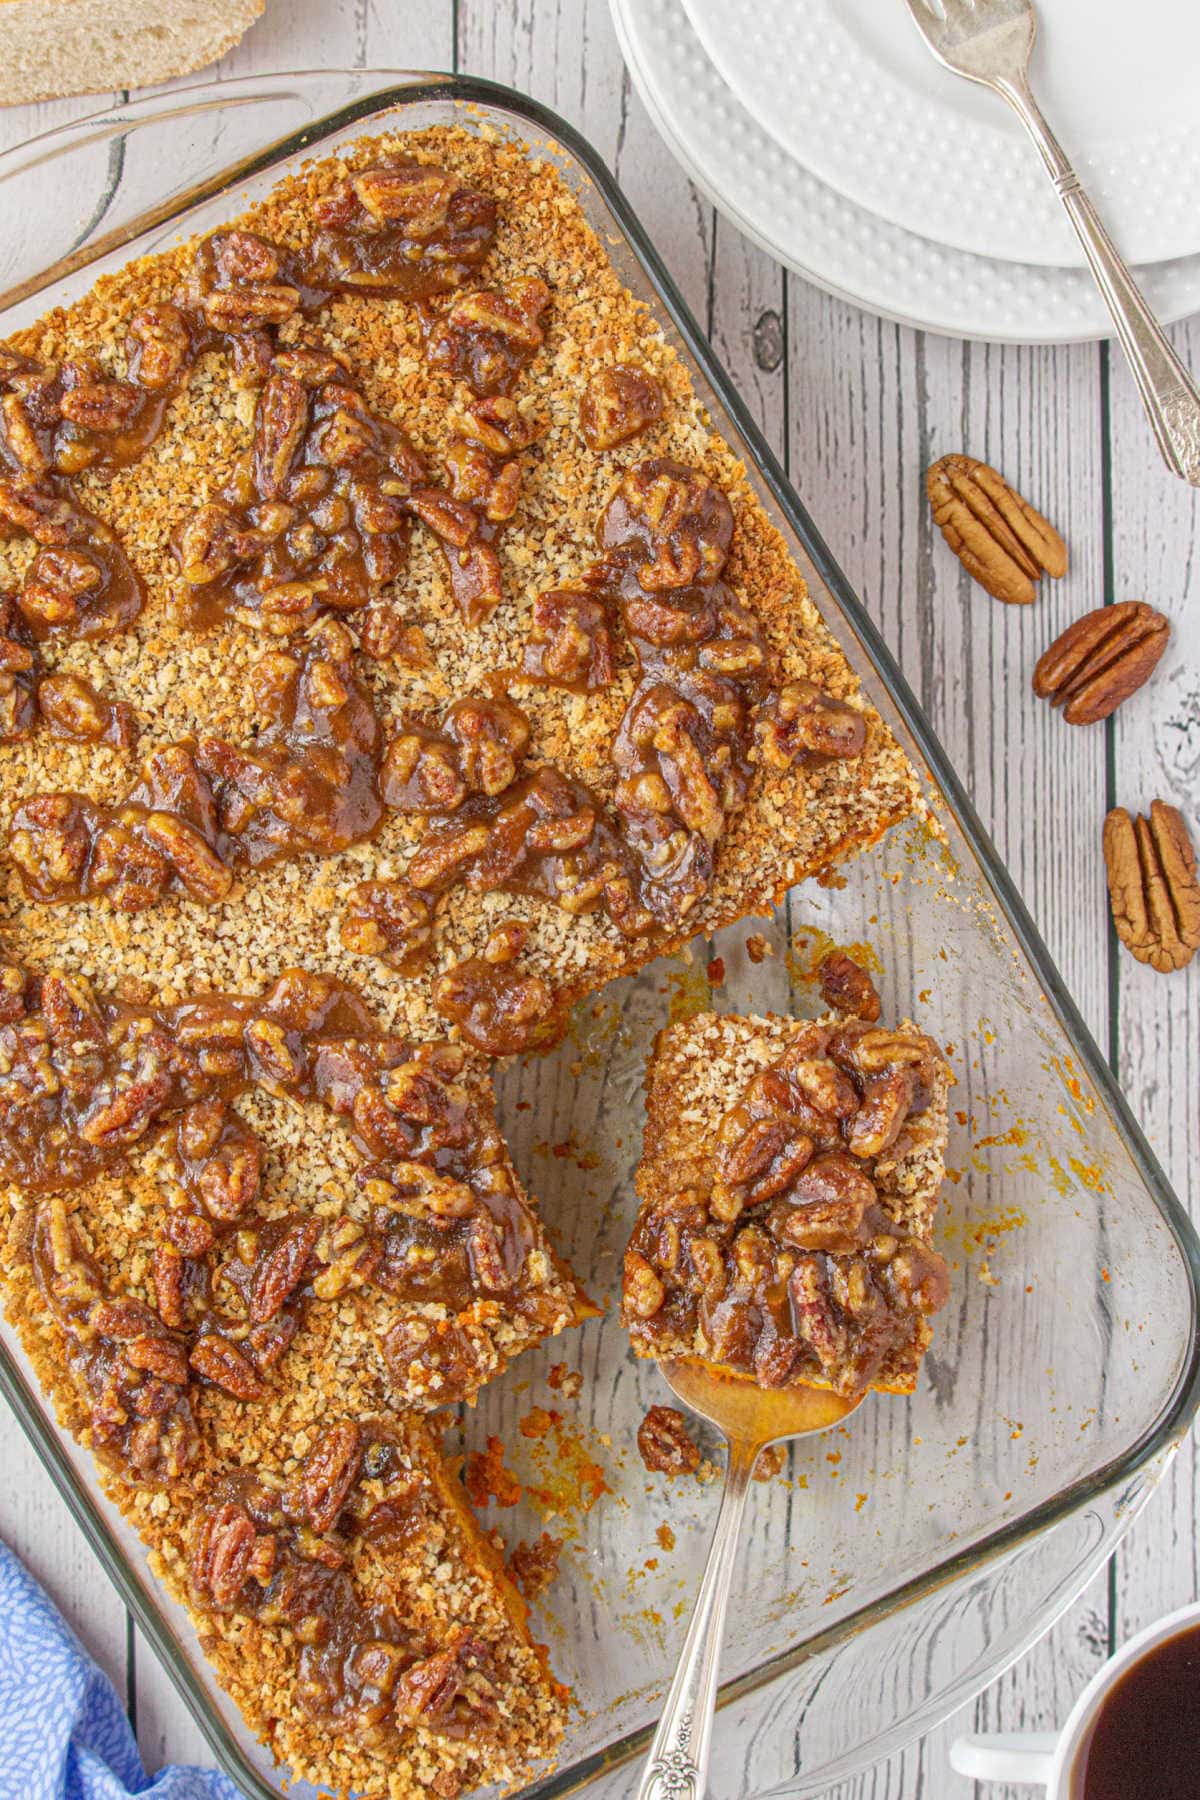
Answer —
(1145, 1741)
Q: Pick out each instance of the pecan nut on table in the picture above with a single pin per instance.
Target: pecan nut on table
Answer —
(999, 538)
(1153, 885)
(1100, 660)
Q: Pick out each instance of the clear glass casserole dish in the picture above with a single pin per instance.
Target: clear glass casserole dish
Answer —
(900, 1564)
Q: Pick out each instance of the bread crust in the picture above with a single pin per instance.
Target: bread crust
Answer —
(105, 47)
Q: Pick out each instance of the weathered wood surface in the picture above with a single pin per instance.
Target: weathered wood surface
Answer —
(857, 408)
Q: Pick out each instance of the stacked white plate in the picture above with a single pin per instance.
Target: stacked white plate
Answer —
(827, 133)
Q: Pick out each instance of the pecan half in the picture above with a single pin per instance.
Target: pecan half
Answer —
(391, 920)
(1096, 663)
(219, 1360)
(221, 1555)
(802, 720)
(1152, 885)
(846, 986)
(280, 1269)
(997, 536)
(74, 710)
(618, 405)
(330, 1471)
(499, 1010)
(664, 1444)
(451, 1692)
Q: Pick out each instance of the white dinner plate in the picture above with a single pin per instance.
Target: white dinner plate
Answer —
(850, 91)
(837, 245)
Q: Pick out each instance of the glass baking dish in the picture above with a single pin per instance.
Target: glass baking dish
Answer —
(900, 1563)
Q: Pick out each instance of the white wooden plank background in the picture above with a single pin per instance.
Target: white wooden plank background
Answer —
(857, 408)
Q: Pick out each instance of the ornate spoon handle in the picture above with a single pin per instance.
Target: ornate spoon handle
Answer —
(1168, 392)
(677, 1766)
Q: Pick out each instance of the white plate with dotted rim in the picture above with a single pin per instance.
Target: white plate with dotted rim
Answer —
(848, 89)
(838, 246)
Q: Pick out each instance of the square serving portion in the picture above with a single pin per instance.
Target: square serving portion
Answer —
(390, 653)
(788, 1183)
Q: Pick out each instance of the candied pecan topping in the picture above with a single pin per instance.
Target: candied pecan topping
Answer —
(63, 418)
(80, 583)
(73, 709)
(317, 516)
(498, 1009)
(534, 1566)
(468, 513)
(476, 749)
(571, 641)
(201, 812)
(802, 721)
(401, 228)
(682, 748)
(790, 1268)
(160, 345)
(77, 1085)
(545, 834)
(487, 338)
(619, 403)
(391, 920)
(675, 519)
(846, 986)
(83, 1080)
(243, 287)
(664, 1443)
(129, 1367)
(451, 1692)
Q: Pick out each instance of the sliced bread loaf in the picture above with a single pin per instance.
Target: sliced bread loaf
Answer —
(53, 47)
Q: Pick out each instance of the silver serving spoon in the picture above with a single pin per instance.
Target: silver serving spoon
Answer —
(990, 41)
(749, 1418)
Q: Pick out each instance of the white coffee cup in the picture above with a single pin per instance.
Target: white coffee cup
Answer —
(1057, 1763)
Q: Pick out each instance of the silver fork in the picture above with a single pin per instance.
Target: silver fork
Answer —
(990, 41)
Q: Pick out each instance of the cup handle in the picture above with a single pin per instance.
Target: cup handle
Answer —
(1006, 1756)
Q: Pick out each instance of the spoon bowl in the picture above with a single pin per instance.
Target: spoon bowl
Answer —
(753, 1415)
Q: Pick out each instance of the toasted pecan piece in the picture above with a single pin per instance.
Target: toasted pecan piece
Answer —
(1152, 885)
(1093, 666)
(998, 537)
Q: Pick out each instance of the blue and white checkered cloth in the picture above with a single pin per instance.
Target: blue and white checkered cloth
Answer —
(63, 1732)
